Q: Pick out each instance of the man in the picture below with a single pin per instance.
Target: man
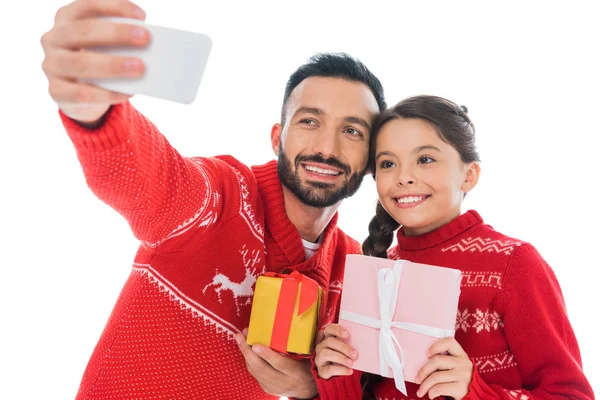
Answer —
(208, 226)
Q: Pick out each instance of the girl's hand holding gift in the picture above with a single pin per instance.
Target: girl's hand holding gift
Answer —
(447, 373)
(334, 357)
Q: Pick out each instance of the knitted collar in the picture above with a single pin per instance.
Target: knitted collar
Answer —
(289, 250)
(446, 232)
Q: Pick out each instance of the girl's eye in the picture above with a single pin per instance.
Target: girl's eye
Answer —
(386, 164)
(425, 160)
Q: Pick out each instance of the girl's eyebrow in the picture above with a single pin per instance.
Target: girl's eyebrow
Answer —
(417, 150)
(384, 153)
(426, 147)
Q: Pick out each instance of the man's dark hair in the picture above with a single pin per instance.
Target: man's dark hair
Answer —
(334, 65)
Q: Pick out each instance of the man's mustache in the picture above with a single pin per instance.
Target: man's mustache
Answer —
(331, 161)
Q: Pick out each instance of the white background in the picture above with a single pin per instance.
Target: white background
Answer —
(528, 73)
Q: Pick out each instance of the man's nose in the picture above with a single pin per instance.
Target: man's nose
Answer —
(326, 143)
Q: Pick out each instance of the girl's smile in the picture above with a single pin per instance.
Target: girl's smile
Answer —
(421, 179)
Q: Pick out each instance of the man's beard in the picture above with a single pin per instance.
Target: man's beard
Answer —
(317, 194)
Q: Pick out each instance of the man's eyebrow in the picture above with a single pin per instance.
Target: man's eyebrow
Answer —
(309, 110)
(359, 121)
(317, 111)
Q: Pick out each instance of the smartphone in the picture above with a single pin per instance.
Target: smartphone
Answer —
(174, 61)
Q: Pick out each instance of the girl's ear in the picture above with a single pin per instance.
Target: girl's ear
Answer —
(471, 177)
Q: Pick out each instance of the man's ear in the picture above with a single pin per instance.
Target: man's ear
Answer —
(276, 131)
(471, 177)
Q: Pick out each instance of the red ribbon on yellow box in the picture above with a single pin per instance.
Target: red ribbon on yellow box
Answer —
(284, 312)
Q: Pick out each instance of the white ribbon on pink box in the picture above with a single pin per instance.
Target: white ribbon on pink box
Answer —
(388, 280)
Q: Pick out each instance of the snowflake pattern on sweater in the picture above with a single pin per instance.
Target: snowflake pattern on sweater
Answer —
(510, 313)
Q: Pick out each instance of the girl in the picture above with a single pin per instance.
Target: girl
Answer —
(513, 338)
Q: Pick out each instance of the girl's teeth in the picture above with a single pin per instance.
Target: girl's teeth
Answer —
(410, 199)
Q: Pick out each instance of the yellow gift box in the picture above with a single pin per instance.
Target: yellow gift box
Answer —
(284, 314)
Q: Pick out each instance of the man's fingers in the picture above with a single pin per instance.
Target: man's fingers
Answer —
(277, 361)
(240, 339)
(67, 92)
(92, 8)
(252, 359)
(330, 370)
(87, 64)
(95, 32)
(64, 67)
(262, 371)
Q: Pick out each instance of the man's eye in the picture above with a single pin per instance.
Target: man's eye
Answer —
(425, 160)
(307, 121)
(354, 132)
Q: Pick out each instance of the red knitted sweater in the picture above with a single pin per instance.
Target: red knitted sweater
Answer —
(208, 227)
(511, 319)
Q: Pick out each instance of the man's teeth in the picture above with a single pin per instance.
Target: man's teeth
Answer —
(410, 199)
(312, 168)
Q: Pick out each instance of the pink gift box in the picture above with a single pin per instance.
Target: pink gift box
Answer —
(423, 312)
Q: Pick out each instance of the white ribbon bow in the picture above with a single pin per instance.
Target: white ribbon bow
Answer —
(391, 354)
